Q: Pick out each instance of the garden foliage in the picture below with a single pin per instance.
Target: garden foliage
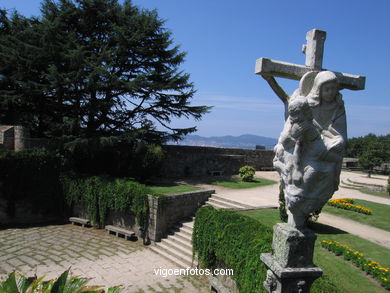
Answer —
(372, 268)
(225, 239)
(247, 173)
(348, 204)
(32, 177)
(17, 283)
(100, 195)
(371, 150)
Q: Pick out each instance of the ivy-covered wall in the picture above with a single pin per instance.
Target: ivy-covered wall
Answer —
(102, 200)
(226, 239)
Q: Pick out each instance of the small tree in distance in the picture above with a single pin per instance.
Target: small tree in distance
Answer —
(247, 173)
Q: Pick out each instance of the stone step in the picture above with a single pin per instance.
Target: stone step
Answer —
(226, 204)
(215, 205)
(349, 181)
(367, 184)
(180, 241)
(181, 230)
(167, 256)
(184, 237)
(189, 224)
(218, 203)
(221, 197)
(184, 249)
(174, 253)
(184, 228)
(350, 185)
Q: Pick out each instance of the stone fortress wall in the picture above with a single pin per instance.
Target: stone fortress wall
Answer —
(181, 161)
(196, 161)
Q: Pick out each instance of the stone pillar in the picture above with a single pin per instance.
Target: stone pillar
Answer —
(157, 219)
(22, 135)
(290, 264)
(7, 137)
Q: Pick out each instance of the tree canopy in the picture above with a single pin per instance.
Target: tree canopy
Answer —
(88, 68)
(371, 150)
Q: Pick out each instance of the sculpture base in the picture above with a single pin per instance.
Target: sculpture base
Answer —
(290, 265)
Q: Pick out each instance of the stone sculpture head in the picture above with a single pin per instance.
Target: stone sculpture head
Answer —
(299, 110)
(325, 89)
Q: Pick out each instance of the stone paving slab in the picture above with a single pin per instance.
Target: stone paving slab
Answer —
(90, 253)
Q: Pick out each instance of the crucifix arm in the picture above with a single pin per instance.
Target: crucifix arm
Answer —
(276, 88)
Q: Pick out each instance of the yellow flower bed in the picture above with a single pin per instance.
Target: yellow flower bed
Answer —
(382, 274)
(348, 204)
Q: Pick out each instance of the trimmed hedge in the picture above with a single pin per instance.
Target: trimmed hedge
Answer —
(225, 239)
(33, 177)
(99, 195)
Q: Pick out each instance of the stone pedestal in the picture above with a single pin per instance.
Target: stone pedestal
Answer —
(290, 264)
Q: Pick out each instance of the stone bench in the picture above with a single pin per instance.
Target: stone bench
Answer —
(81, 221)
(119, 231)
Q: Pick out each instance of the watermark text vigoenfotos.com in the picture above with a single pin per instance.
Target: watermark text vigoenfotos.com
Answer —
(165, 272)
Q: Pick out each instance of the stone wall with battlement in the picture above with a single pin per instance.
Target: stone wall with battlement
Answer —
(196, 161)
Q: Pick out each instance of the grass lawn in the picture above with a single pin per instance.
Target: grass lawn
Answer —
(171, 189)
(380, 217)
(237, 183)
(338, 272)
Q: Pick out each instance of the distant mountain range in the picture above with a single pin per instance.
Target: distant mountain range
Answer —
(246, 141)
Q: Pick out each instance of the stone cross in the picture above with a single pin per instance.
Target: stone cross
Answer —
(314, 50)
(313, 137)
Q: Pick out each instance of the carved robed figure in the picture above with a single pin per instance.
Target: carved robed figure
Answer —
(310, 149)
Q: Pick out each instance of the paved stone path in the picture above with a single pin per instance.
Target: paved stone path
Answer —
(90, 253)
(110, 261)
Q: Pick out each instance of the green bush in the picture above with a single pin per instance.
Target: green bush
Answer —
(17, 283)
(32, 177)
(247, 173)
(225, 239)
(100, 194)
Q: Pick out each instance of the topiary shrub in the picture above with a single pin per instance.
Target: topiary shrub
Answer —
(247, 173)
(226, 239)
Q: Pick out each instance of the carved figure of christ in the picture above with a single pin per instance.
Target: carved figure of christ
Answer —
(314, 50)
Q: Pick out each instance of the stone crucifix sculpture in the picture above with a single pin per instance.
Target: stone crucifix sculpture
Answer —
(309, 153)
(308, 158)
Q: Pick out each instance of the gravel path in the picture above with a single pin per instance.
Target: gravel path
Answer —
(370, 233)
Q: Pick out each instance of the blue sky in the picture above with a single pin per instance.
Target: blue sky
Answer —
(224, 38)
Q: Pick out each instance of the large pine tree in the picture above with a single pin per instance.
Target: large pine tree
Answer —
(88, 68)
